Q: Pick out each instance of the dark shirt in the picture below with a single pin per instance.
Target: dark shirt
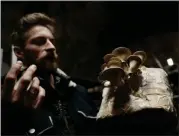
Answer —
(59, 114)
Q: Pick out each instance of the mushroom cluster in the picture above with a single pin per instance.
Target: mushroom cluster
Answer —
(120, 64)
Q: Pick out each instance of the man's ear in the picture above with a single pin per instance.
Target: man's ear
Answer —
(19, 52)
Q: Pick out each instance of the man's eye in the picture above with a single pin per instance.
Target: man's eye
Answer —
(39, 41)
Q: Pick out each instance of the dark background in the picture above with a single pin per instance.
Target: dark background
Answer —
(89, 30)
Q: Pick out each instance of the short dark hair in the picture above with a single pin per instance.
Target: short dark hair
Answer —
(28, 21)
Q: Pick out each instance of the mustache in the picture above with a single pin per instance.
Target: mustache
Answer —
(51, 56)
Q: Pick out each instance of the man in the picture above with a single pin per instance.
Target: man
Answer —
(37, 97)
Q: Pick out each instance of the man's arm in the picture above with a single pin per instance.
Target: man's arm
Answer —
(16, 98)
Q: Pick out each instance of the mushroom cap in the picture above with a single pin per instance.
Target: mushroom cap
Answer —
(122, 52)
(141, 54)
(116, 59)
(133, 66)
(134, 57)
(111, 74)
(116, 63)
(107, 57)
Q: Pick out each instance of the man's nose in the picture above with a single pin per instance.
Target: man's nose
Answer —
(50, 46)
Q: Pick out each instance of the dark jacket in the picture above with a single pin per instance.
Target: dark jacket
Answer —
(18, 120)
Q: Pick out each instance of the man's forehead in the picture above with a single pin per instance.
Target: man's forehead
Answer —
(39, 31)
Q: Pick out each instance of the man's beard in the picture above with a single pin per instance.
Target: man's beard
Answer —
(47, 65)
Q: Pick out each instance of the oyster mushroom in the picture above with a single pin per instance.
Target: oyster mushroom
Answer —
(133, 62)
(115, 59)
(107, 57)
(114, 63)
(123, 65)
(113, 73)
(142, 55)
(122, 53)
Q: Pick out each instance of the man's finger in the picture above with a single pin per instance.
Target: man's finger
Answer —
(10, 79)
(34, 88)
(40, 98)
(32, 92)
(23, 82)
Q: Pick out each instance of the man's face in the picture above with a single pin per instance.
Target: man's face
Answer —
(39, 48)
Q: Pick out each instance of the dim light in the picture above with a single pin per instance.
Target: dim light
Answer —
(170, 61)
